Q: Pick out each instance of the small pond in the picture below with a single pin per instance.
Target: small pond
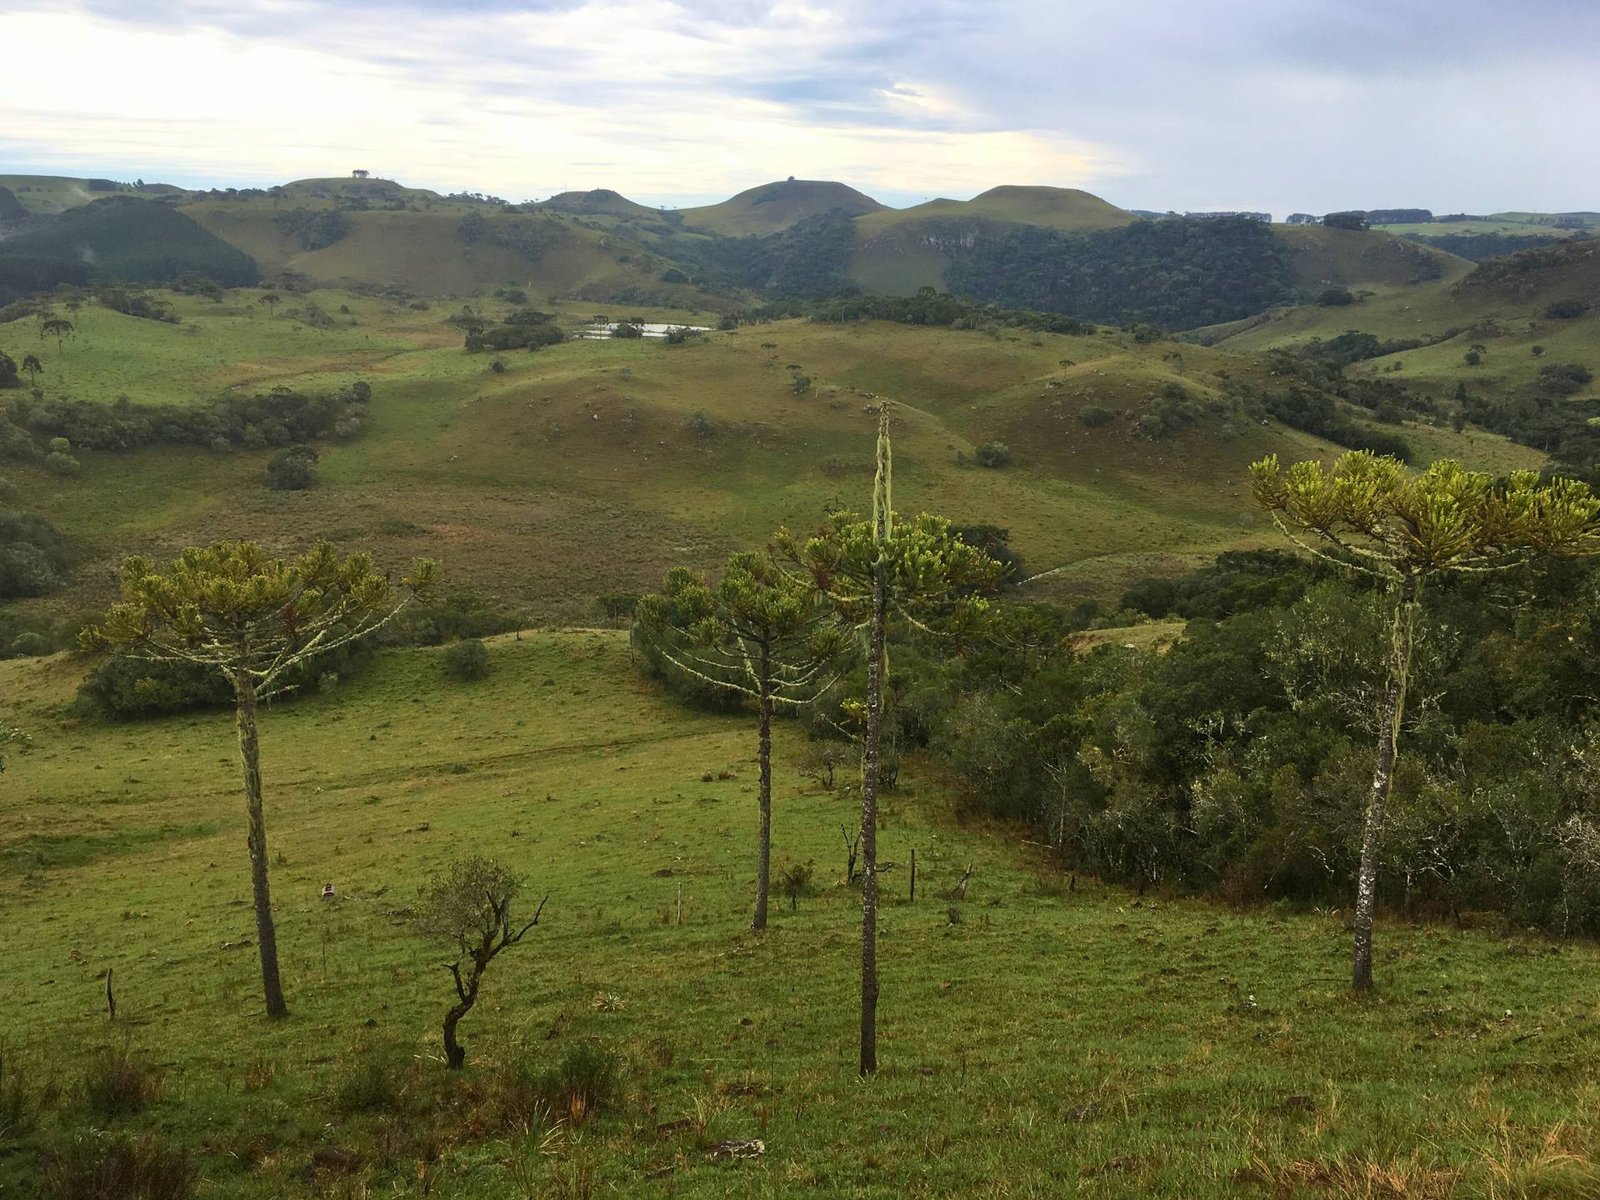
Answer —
(651, 330)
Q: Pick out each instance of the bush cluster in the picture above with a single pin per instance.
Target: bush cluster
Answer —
(1238, 761)
(281, 417)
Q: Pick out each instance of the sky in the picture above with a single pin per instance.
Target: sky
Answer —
(1281, 106)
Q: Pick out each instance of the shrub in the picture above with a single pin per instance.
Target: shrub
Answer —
(627, 330)
(467, 660)
(62, 464)
(373, 1084)
(1093, 415)
(115, 1084)
(588, 1079)
(617, 606)
(795, 880)
(993, 454)
(1563, 379)
(1335, 297)
(292, 469)
(31, 560)
(1565, 310)
(126, 686)
(97, 1167)
(823, 757)
(30, 645)
(19, 1105)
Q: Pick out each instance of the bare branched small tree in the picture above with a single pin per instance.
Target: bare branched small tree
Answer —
(255, 619)
(469, 907)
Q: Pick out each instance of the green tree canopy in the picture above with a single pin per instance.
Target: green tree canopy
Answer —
(758, 632)
(233, 608)
(1370, 515)
(922, 572)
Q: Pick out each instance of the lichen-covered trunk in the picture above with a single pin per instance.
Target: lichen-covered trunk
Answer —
(250, 759)
(1392, 715)
(764, 851)
(869, 826)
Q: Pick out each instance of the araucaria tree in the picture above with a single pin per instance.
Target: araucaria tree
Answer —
(869, 571)
(257, 620)
(469, 908)
(760, 633)
(1369, 515)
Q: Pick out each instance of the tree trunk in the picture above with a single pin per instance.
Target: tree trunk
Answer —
(764, 854)
(869, 827)
(882, 516)
(455, 1054)
(1401, 637)
(250, 757)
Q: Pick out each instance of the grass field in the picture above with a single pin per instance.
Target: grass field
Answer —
(580, 471)
(1038, 1039)
(1505, 316)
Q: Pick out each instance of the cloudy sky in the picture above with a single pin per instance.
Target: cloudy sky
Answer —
(1274, 105)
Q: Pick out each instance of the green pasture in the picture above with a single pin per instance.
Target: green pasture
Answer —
(1041, 1036)
(591, 467)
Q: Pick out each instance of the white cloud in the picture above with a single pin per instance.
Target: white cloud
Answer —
(1247, 103)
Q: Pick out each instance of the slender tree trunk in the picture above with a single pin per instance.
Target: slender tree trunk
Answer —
(250, 758)
(882, 515)
(869, 830)
(1401, 637)
(455, 1054)
(764, 858)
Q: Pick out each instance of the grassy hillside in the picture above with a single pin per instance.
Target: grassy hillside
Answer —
(52, 193)
(120, 239)
(776, 206)
(424, 251)
(1500, 305)
(1323, 257)
(1054, 208)
(346, 187)
(600, 201)
(586, 469)
(901, 250)
(1067, 1040)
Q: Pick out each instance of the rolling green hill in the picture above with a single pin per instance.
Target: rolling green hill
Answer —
(1502, 305)
(601, 202)
(434, 251)
(590, 467)
(11, 209)
(776, 206)
(901, 250)
(120, 239)
(339, 187)
(1321, 257)
(1054, 208)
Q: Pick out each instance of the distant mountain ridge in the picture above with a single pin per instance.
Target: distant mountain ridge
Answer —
(772, 207)
(791, 239)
